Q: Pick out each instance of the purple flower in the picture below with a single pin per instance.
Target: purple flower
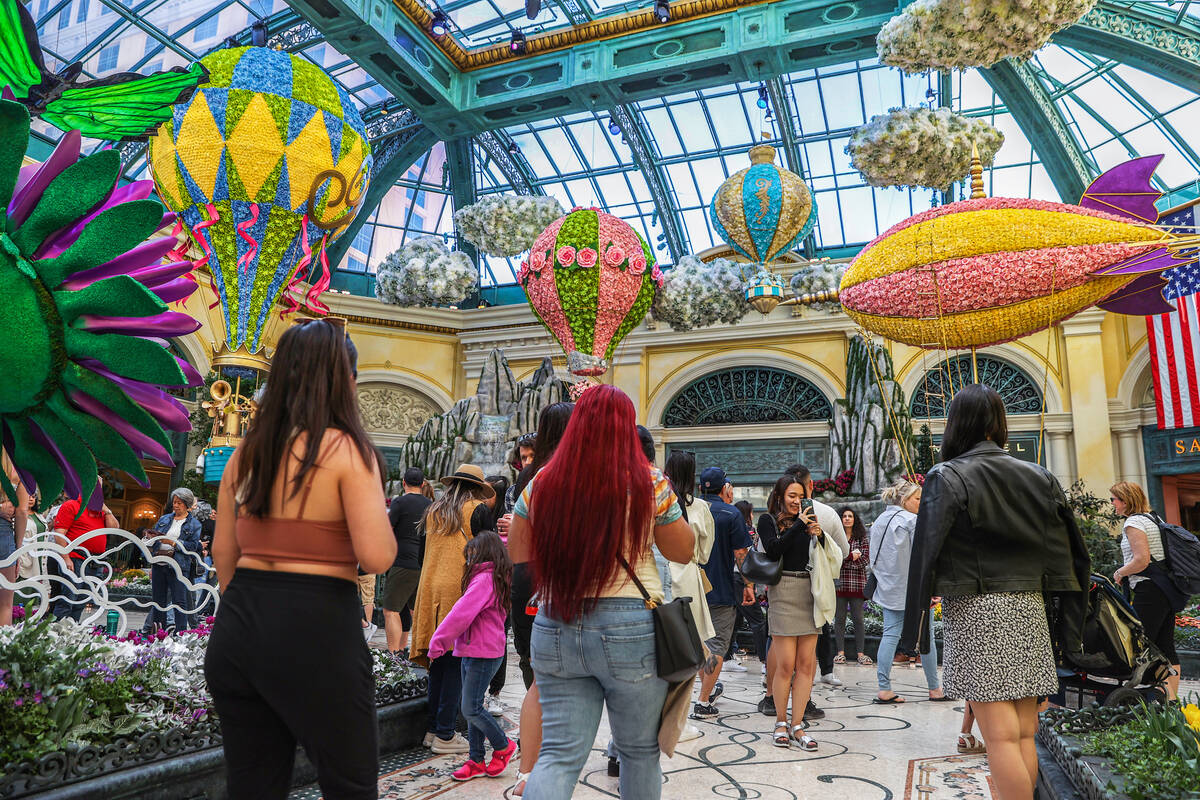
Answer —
(83, 673)
(18, 702)
(28, 685)
(137, 688)
(3, 686)
(109, 679)
(37, 697)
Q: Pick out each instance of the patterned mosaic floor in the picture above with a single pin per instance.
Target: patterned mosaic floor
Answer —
(867, 751)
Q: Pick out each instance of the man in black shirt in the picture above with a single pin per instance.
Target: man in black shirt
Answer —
(406, 515)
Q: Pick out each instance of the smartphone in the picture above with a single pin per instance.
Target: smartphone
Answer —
(806, 504)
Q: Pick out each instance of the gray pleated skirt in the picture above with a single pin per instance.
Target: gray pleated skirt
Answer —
(790, 601)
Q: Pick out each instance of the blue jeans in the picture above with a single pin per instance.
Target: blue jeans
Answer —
(477, 673)
(445, 694)
(72, 597)
(606, 656)
(893, 624)
(162, 583)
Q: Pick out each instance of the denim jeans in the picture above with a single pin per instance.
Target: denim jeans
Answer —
(476, 673)
(604, 657)
(164, 582)
(72, 597)
(893, 624)
(445, 694)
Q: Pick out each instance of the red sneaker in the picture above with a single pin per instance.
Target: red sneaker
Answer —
(500, 759)
(471, 769)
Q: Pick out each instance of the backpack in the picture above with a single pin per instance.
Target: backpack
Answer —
(1181, 549)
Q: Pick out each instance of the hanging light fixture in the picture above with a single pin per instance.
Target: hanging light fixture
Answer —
(763, 98)
(613, 127)
(514, 148)
(517, 44)
(258, 33)
(533, 8)
(662, 10)
(440, 25)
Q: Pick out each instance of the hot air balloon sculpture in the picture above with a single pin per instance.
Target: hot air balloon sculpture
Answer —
(266, 165)
(988, 270)
(761, 212)
(590, 278)
(85, 319)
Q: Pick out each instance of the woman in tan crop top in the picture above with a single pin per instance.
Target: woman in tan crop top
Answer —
(301, 506)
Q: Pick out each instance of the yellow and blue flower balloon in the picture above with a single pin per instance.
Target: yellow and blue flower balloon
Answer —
(763, 210)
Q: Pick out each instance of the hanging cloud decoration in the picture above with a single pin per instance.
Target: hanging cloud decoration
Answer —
(959, 34)
(821, 276)
(697, 294)
(506, 225)
(920, 146)
(425, 272)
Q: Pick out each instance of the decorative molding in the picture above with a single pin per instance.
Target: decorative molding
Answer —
(392, 409)
(296, 37)
(1011, 352)
(591, 31)
(1020, 392)
(656, 179)
(1151, 40)
(1131, 390)
(1085, 323)
(388, 123)
(747, 395)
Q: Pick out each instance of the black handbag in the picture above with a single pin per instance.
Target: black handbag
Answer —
(677, 645)
(758, 567)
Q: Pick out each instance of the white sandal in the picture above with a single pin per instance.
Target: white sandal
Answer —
(967, 743)
(782, 739)
(519, 781)
(805, 741)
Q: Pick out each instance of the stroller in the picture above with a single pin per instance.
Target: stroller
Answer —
(1115, 649)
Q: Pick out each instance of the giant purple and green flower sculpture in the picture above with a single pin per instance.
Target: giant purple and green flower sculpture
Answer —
(86, 320)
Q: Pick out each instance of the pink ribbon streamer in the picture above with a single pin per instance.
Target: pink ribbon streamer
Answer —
(290, 294)
(312, 300)
(213, 217)
(179, 252)
(242, 228)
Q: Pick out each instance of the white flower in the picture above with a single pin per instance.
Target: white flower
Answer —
(818, 277)
(425, 272)
(920, 146)
(506, 225)
(958, 34)
(696, 294)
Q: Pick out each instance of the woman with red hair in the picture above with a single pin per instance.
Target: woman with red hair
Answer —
(590, 518)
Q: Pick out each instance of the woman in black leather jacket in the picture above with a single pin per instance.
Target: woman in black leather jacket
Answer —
(994, 536)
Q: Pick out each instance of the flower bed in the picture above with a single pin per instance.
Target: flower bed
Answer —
(75, 704)
(1147, 753)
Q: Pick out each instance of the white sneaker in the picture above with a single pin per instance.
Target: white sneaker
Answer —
(734, 666)
(456, 744)
(369, 631)
(494, 705)
(831, 679)
(428, 740)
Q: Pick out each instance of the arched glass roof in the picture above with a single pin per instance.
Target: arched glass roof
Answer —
(693, 140)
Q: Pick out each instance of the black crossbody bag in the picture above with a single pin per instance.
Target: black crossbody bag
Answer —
(677, 645)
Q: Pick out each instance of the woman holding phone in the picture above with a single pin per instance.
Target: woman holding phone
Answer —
(801, 602)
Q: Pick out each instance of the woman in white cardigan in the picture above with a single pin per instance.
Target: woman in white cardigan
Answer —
(810, 544)
(688, 580)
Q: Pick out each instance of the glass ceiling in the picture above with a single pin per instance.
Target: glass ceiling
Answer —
(697, 138)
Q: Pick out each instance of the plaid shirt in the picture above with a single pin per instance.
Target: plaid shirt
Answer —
(854, 573)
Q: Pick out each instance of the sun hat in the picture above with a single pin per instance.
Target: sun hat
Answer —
(469, 473)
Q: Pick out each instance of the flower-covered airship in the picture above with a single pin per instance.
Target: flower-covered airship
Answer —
(988, 270)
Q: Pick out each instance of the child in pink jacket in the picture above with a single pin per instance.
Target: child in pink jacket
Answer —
(474, 629)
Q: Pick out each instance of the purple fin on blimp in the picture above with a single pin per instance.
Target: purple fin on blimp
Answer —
(1125, 190)
(1142, 297)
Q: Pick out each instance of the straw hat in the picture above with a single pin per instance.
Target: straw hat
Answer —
(469, 473)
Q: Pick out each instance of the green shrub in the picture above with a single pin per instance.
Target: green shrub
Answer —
(1100, 526)
(1156, 754)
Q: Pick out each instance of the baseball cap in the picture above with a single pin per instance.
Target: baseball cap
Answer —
(712, 480)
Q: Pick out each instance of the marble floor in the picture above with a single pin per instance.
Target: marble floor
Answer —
(866, 751)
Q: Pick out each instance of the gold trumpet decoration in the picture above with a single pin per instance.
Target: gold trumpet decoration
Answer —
(231, 412)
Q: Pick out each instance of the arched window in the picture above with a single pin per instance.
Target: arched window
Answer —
(747, 395)
(1020, 393)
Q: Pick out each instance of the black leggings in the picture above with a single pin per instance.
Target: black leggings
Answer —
(522, 623)
(287, 663)
(1154, 610)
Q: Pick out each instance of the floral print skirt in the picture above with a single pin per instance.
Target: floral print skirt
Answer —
(997, 647)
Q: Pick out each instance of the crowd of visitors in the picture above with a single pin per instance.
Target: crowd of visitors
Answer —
(574, 558)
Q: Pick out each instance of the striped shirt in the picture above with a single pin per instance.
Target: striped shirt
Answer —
(1143, 523)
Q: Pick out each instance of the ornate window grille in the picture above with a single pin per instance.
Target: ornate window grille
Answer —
(747, 395)
(1021, 394)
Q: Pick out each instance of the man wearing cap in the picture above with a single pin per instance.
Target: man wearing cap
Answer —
(731, 541)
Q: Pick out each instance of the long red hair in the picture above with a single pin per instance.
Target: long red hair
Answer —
(591, 504)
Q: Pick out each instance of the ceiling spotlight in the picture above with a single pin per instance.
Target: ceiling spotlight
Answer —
(763, 100)
(533, 8)
(613, 127)
(662, 10)
(258, 33)
(929, 94)
(517, 43)
(514, 148)
(440, 25)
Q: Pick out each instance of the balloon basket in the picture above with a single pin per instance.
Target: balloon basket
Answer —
(586, 365)
(215, 459)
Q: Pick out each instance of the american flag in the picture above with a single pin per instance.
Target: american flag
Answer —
(1175, 337)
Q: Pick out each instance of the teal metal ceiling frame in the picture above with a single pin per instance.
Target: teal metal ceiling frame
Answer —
(1031, 106)
(640, 147)
(784, 116)
(1152, 39)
